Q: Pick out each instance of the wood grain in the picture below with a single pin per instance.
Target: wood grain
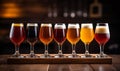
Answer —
(107, 60)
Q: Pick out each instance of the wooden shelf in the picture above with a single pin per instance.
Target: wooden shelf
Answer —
(93, 60)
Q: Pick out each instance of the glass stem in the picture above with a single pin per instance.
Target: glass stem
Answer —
(32, 49)
(17, 50)
(46, 49)
(60, 49)
(101, 49)
(73, 49)
(87, 49)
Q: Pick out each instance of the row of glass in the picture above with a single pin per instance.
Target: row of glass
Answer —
(46, 34)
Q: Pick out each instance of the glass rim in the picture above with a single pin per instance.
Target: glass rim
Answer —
(32, 24)
(17, 24)
(73, 25)
(46, 24)
(60, 26)
(102, 24)
(87, 25)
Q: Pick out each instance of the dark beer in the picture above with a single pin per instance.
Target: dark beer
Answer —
(32, 33)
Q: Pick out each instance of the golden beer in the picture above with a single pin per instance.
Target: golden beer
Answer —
(73, 34)
(87, 33)
(46, 33)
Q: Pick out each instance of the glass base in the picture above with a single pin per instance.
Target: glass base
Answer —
(17, 56)
(60, 56)
(45, 56)
(31, 56)
(73, 56)
(101, 56)
(86, 56)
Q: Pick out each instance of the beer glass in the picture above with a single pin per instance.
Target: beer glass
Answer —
(60, 37)
(73, 36)
(102, 35)
(17, 36)
(46, 36)
(87, 35)
(32, 37)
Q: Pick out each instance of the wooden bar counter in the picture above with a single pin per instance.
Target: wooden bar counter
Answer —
(115, 66)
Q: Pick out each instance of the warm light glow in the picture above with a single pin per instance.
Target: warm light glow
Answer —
(10, 10)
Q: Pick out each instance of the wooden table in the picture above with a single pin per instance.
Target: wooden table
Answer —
(115, 66)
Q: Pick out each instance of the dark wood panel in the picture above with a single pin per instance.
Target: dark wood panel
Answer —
(53, 60)
(115, 66)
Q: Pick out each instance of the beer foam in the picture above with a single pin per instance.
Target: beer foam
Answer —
(86, 25)
(48, 25)
(32, 24)
(73, 26)
(17, 24)
(102, 29)
(61, 26)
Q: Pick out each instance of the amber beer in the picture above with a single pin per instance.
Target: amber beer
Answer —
(102, 34)
(87, 33)
(46, 33)
(73, 33)
(73, 36)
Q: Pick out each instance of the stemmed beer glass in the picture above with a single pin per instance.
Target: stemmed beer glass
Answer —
(87, 35)
(60, 37)
(32, 37)
(17, 36)
(73, 36)
(102, 35)
(46, 36)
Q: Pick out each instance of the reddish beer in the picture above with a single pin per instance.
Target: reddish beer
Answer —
(60, 35)
(17, 36)
(102, 38)
(102, 35)
(17, 33)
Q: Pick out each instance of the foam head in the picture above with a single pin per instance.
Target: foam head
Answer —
(86, 25)
(73, 26)
(17, 24)
(102, 29)
(47, 25)
(60, 26)
(32, 24)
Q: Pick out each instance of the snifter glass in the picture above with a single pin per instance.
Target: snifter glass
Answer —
(102, 35)
(32, 37)
(73, 36)
(86, 35)
(17, 36)
(46, 36)
(60, 37)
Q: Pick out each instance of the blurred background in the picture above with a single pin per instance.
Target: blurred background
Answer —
(59, 11)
